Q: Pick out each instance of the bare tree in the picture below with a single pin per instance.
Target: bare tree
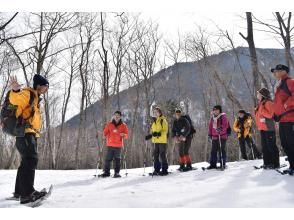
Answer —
(284, 30)
(253, 57)
(122, 38)
(88, 33)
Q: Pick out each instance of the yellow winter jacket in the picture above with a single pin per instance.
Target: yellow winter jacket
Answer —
(22, 99)
(247, 127)
(160, 125)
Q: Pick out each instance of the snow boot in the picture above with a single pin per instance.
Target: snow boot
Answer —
(181, 168)
(154, 173)
(163, 173)
(103, 175)
(188, 167)
(210, 167)
(290, 172)
(117, 175)
(33, 197)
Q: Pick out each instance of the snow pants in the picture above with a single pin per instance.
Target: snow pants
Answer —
(27, 148)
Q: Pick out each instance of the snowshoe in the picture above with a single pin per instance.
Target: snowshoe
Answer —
(154, 173)
(181, 168)
(43, 195)
(117, 175)
(163, 173)
(104, 175)
(14, 197)
(33, 197)
(210, 167)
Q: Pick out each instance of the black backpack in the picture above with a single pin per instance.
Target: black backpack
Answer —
(12, 125)
(229, 129)
(193, 130)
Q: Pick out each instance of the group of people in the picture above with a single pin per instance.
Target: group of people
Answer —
(267, 113)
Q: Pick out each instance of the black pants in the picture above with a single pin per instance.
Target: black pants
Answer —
(160, 152)
(222, 153)
(184, 147)
(250, 143)
(287, 140)
(113, 153)
(269, 148)
(27, 148)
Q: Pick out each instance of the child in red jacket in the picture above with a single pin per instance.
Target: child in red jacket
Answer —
(115, 133)
(266, 125)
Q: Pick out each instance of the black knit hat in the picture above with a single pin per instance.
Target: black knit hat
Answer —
(218, 107)
(265, 93)
(39, 80)
(280, 67)
(242, 111)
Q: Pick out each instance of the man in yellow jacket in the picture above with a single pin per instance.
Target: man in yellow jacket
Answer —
(159, 133)
(243, 128)
(27, 145)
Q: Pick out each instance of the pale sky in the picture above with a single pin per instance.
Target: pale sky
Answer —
(172, 22)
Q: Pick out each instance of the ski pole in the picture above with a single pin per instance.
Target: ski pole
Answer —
(252, 151)
(145, 152)
(153, 159)
(98, 162)
(125, 160)
(221, 154)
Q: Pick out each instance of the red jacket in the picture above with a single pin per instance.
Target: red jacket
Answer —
(112, 133)
(284, 102)
(263, 116)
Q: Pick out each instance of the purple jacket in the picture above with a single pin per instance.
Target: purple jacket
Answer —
(222, 123)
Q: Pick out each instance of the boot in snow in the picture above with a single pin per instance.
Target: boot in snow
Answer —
(33, 197)
(103, 175)
(116, 175)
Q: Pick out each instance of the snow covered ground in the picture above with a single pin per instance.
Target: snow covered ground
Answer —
(238, 186)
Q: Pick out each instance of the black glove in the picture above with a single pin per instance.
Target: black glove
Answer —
(219, 130)
(156, 134)
(276, 118)
(148, 137)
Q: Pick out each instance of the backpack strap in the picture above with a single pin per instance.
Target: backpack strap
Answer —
(285, 88)
(31, 104)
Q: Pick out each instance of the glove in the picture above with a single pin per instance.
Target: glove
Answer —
(148, 137)
(156, 134)
(276, 118)
(209, 138)
(219, 130)
(182, 138)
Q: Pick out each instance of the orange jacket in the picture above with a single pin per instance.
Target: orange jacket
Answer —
(263, 115)
(113, 133)
(21, 100)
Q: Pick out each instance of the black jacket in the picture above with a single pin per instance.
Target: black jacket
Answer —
(182, 127)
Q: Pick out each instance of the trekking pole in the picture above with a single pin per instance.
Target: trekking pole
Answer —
(153, 159)
(252, 151)
(100, 146)
(221, 154)
(125, 159)
(145, 153)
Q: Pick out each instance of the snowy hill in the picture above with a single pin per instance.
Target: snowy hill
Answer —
(238, 186)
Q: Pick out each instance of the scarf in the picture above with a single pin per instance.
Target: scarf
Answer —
(215, 119)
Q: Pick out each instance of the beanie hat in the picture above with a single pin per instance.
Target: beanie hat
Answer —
(242, 111)
(39, 80)
(265, 93)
